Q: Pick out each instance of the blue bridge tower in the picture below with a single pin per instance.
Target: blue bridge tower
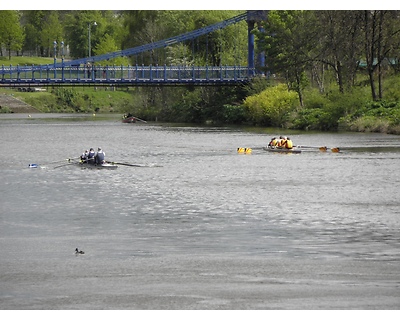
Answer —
(253, 18)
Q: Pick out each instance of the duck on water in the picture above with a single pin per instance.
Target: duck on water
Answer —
(77, 251)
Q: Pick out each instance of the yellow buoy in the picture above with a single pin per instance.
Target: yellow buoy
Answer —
(244, 150)
(94, 114)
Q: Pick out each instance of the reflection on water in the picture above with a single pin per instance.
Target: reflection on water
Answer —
(196, 196)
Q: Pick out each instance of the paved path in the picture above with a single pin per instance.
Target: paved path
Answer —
(16, 105)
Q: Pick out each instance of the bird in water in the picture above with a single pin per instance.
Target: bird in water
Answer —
(78, 251)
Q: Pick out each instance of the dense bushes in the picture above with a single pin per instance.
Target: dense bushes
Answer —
(354, 111)
(272, 106)
(374, 117)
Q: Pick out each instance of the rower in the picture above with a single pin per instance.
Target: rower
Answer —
(282, 142)
(273, 143)
(91, 156)
(84, 156)
(100, 156)
(288, 143)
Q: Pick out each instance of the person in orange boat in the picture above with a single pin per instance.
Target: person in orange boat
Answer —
(288, 143)
(282, 142)
(273, 143)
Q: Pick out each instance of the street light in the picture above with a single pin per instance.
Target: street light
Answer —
(55, 58)
(55, 51)
(62, 51)
(89, 25)
(62, 59)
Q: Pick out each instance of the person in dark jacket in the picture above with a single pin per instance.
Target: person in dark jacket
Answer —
(91, 156)
(100, 156)
(84, 156)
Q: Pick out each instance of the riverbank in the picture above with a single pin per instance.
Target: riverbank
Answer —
(381, 117)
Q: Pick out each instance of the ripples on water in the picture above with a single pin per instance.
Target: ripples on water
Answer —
(203, 191)
(197, 195)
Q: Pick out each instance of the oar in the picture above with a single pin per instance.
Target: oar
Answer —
(57, 161)
(69, 163)
(132, 164)
(322, 149)
(126, 164)
(60, 161)
(141, 120)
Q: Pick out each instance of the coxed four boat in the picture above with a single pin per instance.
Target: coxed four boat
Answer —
(87, 165)
(282, 150)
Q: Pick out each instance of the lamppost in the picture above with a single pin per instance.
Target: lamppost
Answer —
(62, 59)
(55, 58)
(89, 26)
(55, 51)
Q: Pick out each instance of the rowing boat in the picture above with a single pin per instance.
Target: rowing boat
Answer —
(282, 150)
(86, 165)
(129, 120)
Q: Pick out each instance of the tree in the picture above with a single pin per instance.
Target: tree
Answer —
(11, 33)
(289, 40)
(51, 31)
(106, 45)
(32, 23)
(381, 31)
(77, 24)
(339, 44)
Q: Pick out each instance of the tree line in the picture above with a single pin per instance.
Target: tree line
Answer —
(304, 45)
(325, 69)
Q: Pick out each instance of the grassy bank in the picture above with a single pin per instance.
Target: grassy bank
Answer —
(79, 99)
(25, 61)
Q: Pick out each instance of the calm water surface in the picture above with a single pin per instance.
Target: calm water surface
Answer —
(198, 226)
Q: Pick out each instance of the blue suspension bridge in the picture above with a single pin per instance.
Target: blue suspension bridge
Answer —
(84, 71)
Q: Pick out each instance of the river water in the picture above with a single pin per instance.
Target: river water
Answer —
(197, 225)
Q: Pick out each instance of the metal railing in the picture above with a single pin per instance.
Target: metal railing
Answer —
(135, 75)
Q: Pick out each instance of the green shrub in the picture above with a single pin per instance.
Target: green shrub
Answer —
(312, 119)
(234, 114)
(272, 106)
(5, 109)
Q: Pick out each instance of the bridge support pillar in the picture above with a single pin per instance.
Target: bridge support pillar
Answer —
(250, 39)
(253, 17)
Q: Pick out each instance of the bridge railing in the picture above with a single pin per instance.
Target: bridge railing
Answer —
(123, 74)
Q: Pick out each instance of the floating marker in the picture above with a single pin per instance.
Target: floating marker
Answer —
(244, 150)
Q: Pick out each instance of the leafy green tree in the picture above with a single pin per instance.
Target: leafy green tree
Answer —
(51, 31)
(381, 31)
(11, 32)
(339, 48)
(32, 22)
(77, 27)
(107, 44)
(288, 41)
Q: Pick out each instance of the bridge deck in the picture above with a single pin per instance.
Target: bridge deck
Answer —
(124, 75)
